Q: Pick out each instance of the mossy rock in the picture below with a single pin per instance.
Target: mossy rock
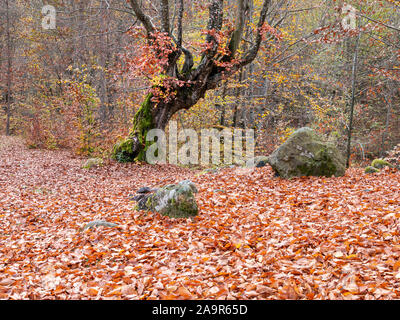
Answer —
(380, 164)
(92, 162)
(174, 200)
(371, 169)
(306, 153)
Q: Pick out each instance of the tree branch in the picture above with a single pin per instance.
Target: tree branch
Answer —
(164, 16)
(215, 21)
(379, 22)
(252, 53)
(143, 18)
(240, 21)
(216, 13)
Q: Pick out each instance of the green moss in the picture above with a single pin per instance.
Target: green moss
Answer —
(123, 151)
(325, 164)
(143, 120)
(380, 163)
(320, 165)
(174, 201)
(180, 208)
(371, 169)
(142, 124)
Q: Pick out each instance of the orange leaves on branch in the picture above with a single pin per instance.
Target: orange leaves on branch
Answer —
(147, 57)
(267, 29)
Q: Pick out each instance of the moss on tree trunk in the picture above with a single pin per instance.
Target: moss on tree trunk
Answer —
(142, 124)
(134, 146)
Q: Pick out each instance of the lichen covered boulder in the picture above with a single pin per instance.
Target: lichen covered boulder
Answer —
(306, 153)
(92, 162)
(174, 200)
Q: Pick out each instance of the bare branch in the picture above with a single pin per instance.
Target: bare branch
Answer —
(215, 21)
(144, 19)
(252, 53)
(379, 22)
(384, 42)
(240, 21)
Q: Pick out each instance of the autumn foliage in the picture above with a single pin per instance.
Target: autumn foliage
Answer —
(70, 93)
(257, 237)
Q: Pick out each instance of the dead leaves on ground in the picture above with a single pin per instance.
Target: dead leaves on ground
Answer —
(257, 237)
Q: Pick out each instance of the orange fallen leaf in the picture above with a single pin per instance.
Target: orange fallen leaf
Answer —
(92, 292)
(185, 293)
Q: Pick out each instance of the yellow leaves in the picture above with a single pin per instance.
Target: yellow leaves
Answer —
(158, 80)
(280, 79)
(284, 133)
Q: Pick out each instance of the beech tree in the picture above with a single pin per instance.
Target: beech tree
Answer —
(181, 86)
(8, 93)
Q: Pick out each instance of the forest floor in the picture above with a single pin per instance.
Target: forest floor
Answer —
(256, 237)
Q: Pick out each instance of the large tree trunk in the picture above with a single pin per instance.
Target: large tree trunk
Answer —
(133, 147)
(152, 115)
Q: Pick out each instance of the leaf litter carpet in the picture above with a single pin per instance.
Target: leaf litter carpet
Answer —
(256, 237)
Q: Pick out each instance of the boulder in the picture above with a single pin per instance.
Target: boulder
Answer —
(393, 157)
(143, 194)
(174, 200)
(258, 162)
(92, 162)
(306, 153)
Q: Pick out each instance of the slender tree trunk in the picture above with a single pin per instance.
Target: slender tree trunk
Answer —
(353, 89)
(386, 132)
(9, 70)
(223, 106)
(236, 110)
